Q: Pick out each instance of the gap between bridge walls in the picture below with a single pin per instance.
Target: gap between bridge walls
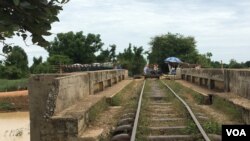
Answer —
(51, 94)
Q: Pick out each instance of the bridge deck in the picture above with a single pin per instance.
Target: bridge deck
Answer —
(90, 100)
(235, 99)
(80, 111)
(243, 104)
(201, 90)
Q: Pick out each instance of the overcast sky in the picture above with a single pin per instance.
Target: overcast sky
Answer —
(221, 27)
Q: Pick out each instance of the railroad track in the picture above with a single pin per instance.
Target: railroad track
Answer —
(161, 115)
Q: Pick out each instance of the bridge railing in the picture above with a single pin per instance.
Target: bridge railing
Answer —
(228, 80)
(52, 94)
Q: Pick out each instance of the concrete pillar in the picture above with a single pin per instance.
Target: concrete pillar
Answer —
(186, 77)
(226, 80)
(193, 79)
(210, 84)
(101, 86)
(200, 81)
(39, 88)
(91, 87)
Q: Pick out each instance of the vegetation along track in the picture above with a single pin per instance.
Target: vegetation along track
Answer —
(163, 116)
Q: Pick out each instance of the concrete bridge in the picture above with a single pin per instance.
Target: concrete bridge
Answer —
(228, 80)
(232, 85)
(60, 104)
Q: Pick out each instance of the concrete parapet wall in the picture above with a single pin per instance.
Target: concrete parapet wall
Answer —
(215, 74)
(229, 80)
(51, 94)
(238, 82)
(39, 88)
(71, 89)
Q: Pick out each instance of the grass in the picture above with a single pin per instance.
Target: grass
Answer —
(176, 103)
(191, 128)
(218, 103)
(116, 100)
(97, 109)
(127, 99)
(125, 96)
(6, 106)
(183, 91)
(143, 120)
(12, 85)
(210, 125)
(227, 108)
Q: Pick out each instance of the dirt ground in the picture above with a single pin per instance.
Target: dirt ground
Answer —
(14, 93)
(214, 113)
(17, 100)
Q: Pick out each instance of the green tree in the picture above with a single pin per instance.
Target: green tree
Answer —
(107, 55)
(18, 17)
(216, 64)
(78, 47)
(59, 60)
(12, 72)
(36, 62)
(43, 68)
(205, 60)
(168, 45)
(132, 59)
(138, 60)
(247, 64)
(234, 64)
(2, 69)
(50, 66)
(112, 54)
(17, 62)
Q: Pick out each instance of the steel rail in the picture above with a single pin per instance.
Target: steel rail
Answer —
(137, 114)
(197, 123)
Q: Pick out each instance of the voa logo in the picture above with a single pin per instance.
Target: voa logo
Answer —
(236, 132)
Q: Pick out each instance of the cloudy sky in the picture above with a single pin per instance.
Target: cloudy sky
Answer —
(221, 27)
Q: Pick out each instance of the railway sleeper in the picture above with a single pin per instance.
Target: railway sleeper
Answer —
(171, 138)
(168, 130)
(166, 119)
(160, 103)
(157, 98)
(158, 115)
(160, 107)
(168, 110)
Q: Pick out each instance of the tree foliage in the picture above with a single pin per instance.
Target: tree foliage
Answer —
(16, 64)
(107, 55)
(234, 64)
(43, 68)
(247, 64)
(78, 47)
(168, 45)
(204, 60)
(59, 60)
(34, 16)
(36, 62)
(132, 59)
